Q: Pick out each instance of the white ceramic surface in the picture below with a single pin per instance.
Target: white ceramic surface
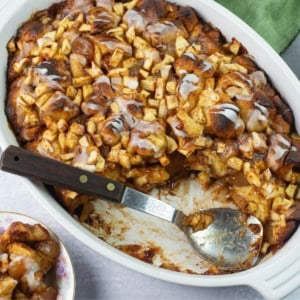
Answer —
(63, 270)
(273, 278)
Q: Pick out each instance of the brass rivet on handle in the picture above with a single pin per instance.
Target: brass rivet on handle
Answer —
(83, 179)
(110, 187)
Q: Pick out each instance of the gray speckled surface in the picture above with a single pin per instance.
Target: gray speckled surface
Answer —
(100, 278)
(292, 56)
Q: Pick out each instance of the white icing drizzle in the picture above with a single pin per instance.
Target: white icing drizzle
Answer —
(27, 48)
(117, 123)
(134, 19)
(132, 84)
(51, 79)
(81, 160)
(58, 101)
(207, 65)
(165, 31)
(104, 3)
(269, 188)
(258, 78)
(103, 17)
(3, 256)
(123, 105)
(175, 123)
(284, 141)
(239, 93)
(138, 141)
(146, 126)
(3, 262)
(103, 79)
(190, 55)
(230, 112)
(93, 106)
(244, 78)
(254, 118)
(82, 5)
(257, 117)
(244, 97)
(44, 71)
(142, 143)
(277, 151)
(262, 108)
(181, 72)
(112, 45)
(81, 58)
(188, 85)
(41, 42)
(31, 267)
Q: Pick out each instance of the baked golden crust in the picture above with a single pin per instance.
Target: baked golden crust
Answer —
(120, 89)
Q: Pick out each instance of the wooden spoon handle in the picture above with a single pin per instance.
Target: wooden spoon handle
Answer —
(27, 164)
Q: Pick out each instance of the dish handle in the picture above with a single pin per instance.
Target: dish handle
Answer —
(277, 278)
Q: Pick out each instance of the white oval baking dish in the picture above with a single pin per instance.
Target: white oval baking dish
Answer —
(273, 278)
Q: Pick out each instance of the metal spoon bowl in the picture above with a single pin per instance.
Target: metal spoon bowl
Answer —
(231, 241)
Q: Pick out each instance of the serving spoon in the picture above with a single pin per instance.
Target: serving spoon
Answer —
(230, 239)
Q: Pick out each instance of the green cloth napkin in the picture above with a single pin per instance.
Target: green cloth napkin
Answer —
(277, 21)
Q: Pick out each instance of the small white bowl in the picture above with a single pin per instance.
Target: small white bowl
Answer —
(63, 272)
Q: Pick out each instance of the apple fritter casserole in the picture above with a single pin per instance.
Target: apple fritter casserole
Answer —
(131, 90)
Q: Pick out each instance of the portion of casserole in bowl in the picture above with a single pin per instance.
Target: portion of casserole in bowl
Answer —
(34, 263)
(147, 93)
